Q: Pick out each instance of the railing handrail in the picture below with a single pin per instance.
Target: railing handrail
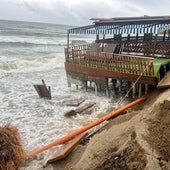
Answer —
(133, 56)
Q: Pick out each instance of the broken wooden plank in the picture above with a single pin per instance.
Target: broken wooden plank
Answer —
(70, 113)
(42, 90)
(85, 107)
(88, 112)
(67, 148)
(47, 90)
(165, 82)
(80, 110)
(74, 102)
(38, 88)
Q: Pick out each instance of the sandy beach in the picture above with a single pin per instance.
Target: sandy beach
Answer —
(139, 139)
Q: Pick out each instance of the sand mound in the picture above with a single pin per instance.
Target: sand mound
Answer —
(120, 152)
(137, 140)
(159, 132)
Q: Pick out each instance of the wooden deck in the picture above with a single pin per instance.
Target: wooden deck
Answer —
(82, 63)
(136, 43)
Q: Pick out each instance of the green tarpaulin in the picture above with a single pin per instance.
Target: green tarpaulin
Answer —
(158, 62)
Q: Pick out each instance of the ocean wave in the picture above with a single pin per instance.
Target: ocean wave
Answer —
(30, 44)
(32, 34)
(32, 64)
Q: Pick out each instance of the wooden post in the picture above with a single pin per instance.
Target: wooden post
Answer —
(120, 86)
(127, 89)
(69, 84)
(95, 87)
(107, 87)
(85, 85)
(107, 90)
(77, 86)
(67, 57)
(146, 89)
(140, 90)
(133, 90)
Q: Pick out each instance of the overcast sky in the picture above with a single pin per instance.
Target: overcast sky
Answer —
(78, 12)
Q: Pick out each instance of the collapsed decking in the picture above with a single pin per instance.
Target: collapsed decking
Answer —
(135, 50)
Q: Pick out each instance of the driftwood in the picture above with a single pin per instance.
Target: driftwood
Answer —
(42, 90)
(67, 148)
(80, 110)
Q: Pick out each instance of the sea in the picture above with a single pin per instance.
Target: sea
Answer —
(29, 53)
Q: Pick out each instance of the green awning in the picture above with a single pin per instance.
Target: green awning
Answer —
(158, 62)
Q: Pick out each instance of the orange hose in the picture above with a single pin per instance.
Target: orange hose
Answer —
(84, 128)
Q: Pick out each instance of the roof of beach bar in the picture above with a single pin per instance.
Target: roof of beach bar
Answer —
(125, 25)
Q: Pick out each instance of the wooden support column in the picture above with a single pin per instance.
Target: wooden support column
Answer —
(146, 89)
(67, 57)
(107, 88)
(114, 86)
(120, 86)
(85, 85)
(133, 90)
(140, 90)
(127, 89)
(95, 88)
(69, 84)
(100, 87)
(107, 91)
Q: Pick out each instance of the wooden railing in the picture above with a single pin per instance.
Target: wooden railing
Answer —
(120, 63)
(74, 52)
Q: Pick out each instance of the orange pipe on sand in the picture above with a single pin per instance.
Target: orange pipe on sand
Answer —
(84, 128)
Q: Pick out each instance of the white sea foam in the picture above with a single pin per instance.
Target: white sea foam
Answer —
(39, 120)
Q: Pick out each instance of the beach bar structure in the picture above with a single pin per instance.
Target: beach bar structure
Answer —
(135, 50)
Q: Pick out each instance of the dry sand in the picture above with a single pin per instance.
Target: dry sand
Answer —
(137, 140)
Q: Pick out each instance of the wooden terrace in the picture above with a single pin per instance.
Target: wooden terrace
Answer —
(122, 58)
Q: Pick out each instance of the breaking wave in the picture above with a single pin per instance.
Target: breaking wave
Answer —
(12, 42)
(30, 64)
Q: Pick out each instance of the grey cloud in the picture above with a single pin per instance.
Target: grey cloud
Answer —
(78, 12)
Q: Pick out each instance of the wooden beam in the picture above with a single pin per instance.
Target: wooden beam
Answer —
(89, 71)
(67, 148)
